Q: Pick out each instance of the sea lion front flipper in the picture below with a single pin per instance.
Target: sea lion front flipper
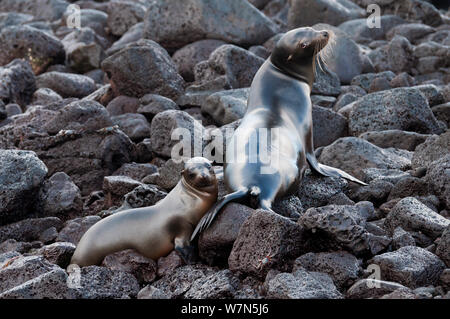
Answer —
(329, 171)
(209, 216)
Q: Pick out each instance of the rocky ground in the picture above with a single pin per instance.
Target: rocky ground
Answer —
(86, 117)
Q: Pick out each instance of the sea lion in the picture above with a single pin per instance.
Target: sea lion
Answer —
(156, 230)
(279, 103)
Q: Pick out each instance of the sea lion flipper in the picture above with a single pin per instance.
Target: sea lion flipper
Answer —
(329, 171)
(209, 217)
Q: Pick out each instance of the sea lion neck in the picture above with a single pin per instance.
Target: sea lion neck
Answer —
(302, 71)
(200, 193)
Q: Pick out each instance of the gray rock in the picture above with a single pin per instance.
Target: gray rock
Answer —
(336, 227)
(395, 138)
(101, 283)
(315, 191)
(67, 84)
(289, 206)
(34, 45)
(116, 187)
(438, 177)
(372, 288)
(188, 56)
(302, 284)
(123, 104)
(341, 266)
(45, 96)
(165, 123)
(365, 80)
(8, 19)
(266, 240)
(443, 247)
(411, 31)
(306, 13)
(20, 269)
(132, 35)
(60, 197)
(129, 261)
(400, 54)
(79, 115)
(326, 82)
(122, 15)
(14, 246)
(152, 104)
(167, 265)
(134, 125)
(401, 238)
(17, 83)
(442, 113)
(390, 175)
(227, 106)
(360, 154)
(144, 195)
(328, 126)
(323, 101)
(233, 22)
(219, 285)
(343, 100)
(411, 214)
(44, 9)
(143, 67)
(150, 292)
(28, 229)
(89, 17)
(411, 266)
(360, 31)
(57, 253)
(237, 65)
(409, 187)
(434, 148)
(74, 229)
(376, 192)
(177, 283)
(402, 79)
(21, 175)
(216, 242)
(84, 49)
(402, 108)
(136, 171)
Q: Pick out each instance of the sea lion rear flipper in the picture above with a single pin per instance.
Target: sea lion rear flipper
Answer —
(209, 216)
(329, 171)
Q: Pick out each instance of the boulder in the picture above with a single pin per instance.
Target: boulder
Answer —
(17, 83)
(143, 67)
(67, 84)
(21, 175)
(234, 22)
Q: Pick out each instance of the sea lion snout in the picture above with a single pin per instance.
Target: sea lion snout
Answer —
(199, 173)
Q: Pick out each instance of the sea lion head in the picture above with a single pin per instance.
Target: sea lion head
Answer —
(198, 172)
(297, 52)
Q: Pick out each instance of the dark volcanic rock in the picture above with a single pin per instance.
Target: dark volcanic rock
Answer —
(266, 240)
(372, 288)
(443, 247)
(438, 176)
(60, 197)
(342, 226)
(216, 242)
(411, 214)
(67, 84)
(143, 67)
(32, 44)
(434, 148)
(74, 229)
(410, 266)
(29, 229)
(21, 175)
(301, 284)
(17, 83)
(237, 22)
(395, 138)
(219, 285)
(341, 266)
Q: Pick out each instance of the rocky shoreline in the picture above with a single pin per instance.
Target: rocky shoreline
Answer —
(87, 114)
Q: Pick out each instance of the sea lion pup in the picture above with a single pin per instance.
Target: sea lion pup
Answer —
(156, 230)
(276, 126)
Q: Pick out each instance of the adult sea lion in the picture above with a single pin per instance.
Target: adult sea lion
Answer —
(156, 230)
(276, 126)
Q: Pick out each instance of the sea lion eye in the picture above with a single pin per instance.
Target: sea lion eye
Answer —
(304, 45)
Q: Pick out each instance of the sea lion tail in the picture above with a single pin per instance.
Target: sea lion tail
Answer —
(206, 221)
(330, 171)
